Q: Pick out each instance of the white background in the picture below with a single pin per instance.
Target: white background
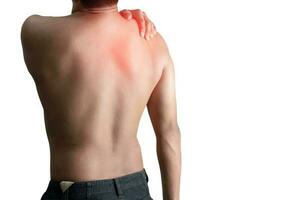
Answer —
(237, 66)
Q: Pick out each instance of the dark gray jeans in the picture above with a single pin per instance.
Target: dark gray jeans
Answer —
(132, 186)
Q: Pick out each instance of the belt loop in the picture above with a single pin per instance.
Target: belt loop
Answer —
(146, 175)
(118, 188)
(65, 195)
(88, 190)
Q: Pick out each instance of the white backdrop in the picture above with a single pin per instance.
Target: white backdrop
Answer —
(237, 66)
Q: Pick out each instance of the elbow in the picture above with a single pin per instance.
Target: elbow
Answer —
(169, 141)
(170, 132)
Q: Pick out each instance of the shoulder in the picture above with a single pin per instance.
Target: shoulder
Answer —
(34, 26)
(159, 43)
(30, 24)
(35, 38)
(31, 19)
(38, 32)
(159, 49)
(31, 29)
(37, 22)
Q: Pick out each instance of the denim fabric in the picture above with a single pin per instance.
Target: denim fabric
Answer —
(132, 186)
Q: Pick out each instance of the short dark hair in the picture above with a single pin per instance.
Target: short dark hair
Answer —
(98, 3)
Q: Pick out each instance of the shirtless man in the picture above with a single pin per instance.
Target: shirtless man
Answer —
(95, 75)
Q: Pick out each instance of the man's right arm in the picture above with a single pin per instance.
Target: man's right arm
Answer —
(163, 114)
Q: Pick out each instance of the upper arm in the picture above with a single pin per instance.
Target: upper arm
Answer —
(27, 29)
(31, 40)
(162, 102)
(27, 36)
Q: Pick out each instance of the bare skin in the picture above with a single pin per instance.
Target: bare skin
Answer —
(95, 75)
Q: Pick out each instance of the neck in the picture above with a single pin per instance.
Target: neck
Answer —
(97, 10)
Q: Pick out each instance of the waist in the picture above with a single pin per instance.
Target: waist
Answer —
(119, 183)
(82, 164)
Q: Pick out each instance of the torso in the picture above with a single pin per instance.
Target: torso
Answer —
(94, 77)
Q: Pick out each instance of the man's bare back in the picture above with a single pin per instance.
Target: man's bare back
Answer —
(95, 76)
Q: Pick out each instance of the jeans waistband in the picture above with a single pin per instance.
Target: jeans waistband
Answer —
(104, 185)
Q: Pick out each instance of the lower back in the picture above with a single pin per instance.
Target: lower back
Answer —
(94, 162)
